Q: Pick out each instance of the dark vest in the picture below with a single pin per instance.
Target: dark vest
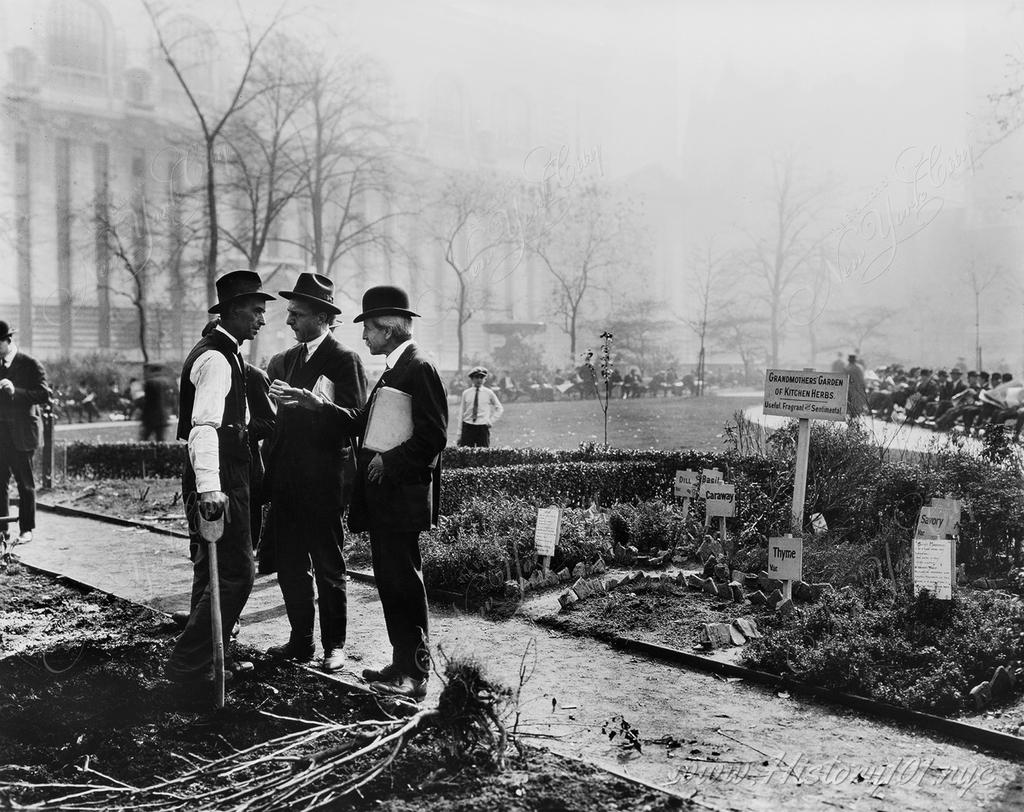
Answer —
(232, 432)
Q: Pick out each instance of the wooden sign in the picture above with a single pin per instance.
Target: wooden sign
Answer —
(934, 566)
(709, 476)
(720, 500)
(954, 507)
(934, 523)
(549, 526)
(685, 486)
(786, 558)
(806, 395)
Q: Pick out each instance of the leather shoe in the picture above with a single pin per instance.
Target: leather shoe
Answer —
(383, 675)
(289, 652)
(180, 619)
(334, 660)
(402, 685)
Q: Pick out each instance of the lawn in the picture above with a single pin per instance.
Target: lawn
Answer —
(664, 423)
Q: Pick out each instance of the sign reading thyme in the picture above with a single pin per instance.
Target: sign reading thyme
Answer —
(806, 395)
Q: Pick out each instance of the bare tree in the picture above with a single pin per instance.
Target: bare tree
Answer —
(710, 288)
(779, 256)
(594, 240)
(262, 179)
(745, 333)
(861, 323)
(347, 147)
(643, 330)
(479, 245)
(978, 280)
(212, 118)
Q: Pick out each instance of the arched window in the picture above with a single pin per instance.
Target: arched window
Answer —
(77, 37)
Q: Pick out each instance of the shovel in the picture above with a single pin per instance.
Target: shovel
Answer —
(211, 528)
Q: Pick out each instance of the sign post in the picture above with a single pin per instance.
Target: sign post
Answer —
(720, 501)
(545, 536)
(806, 396)
(685, 488)
(933, 554)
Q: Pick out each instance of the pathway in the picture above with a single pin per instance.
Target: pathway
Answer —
(742, 747)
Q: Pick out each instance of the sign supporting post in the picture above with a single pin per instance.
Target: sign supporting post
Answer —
(805, 396)
(546, 533)
(803, 448)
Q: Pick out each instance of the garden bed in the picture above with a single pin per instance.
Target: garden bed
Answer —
(81, 702)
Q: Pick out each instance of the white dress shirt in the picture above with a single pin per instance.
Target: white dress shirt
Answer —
(395, 354)
(489, 408)
(211, 376)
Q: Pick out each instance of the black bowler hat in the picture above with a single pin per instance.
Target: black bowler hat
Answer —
(385, 300)
(316, 289)
(236, 284)
(5, 331)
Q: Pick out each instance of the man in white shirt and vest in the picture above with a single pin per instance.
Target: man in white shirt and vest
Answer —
(481, 409)
(213, 416)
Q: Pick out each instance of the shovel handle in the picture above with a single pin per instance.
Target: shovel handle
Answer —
(217, 628)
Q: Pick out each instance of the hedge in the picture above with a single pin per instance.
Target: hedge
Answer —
(126, 460)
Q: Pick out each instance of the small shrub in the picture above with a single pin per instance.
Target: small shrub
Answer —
(884, 643)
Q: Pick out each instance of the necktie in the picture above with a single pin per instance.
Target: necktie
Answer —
(302, 358)
(476, 402)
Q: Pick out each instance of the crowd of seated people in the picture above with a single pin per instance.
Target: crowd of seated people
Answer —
(581, 383)
(947, 400)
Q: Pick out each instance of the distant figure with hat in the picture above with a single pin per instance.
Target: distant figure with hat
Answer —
(481, 409)
(155, 406)
(397, 486)
(213, 415)
(857, 399)
(311, 468)
(23, 389)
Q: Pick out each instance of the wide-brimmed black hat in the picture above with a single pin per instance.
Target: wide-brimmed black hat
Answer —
(385, 300)
(5, 331)
(313, 288)
(236, 284)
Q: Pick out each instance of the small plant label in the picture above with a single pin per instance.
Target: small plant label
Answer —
(953, 507)
(549, 526)
(934, 566)
(709, 476)
(786, 558)
(935, 523)
(720, 500)
(686, 484)
(818, 523)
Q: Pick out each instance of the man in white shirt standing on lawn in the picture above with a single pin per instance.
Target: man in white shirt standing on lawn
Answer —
(213, 418)
(481, 409)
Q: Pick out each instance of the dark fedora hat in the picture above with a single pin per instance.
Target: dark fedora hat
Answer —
(5, 331)
(385, 300)
(316, 289)
(236, 284)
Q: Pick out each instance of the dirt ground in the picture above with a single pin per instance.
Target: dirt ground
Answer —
(82, 700)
